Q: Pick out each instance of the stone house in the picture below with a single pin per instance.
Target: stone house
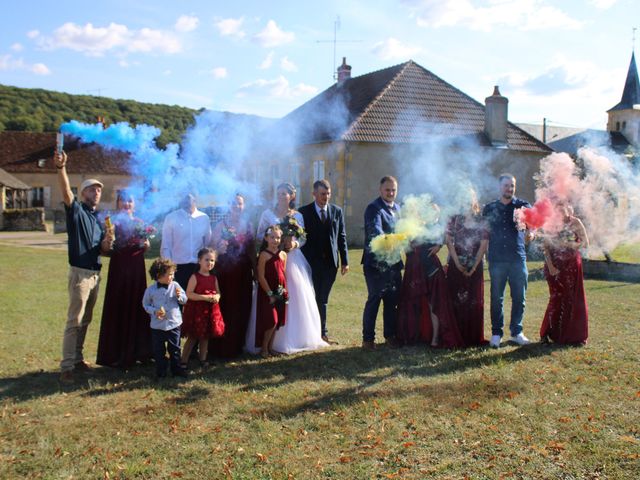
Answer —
(365, 127)
(28, 156)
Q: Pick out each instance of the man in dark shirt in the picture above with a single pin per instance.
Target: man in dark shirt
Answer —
(86, 241)
(383, 280)
(507, 261)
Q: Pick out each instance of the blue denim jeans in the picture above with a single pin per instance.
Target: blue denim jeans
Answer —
(516, 274)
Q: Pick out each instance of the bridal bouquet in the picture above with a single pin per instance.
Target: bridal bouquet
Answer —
(291, 228)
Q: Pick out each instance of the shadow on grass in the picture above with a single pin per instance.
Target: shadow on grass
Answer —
(367, 368)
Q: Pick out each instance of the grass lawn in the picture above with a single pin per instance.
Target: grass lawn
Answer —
(535, 412)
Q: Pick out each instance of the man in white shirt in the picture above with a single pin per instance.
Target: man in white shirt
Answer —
(184, 232)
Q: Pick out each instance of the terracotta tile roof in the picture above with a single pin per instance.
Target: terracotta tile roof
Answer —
(21, 151)
(405, 103)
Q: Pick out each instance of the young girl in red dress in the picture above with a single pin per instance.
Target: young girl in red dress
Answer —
(202, 319)
(272, 291)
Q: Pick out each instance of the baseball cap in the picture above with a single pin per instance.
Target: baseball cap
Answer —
(89, 182)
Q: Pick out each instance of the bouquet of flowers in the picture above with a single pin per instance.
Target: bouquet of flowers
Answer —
(141, 232)
(291, 228)
(281, 295)
(228, 233)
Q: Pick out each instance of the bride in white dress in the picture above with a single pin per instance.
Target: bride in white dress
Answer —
(302, 328)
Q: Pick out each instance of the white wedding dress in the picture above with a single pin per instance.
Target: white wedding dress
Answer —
(302, 328)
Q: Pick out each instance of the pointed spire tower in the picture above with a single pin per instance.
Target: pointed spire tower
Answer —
(625, 116)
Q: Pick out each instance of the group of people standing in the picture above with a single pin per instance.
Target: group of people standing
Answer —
(276, 302)
(444, 306)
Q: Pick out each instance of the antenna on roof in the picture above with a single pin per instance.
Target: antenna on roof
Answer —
(335, 41)
(633, 39)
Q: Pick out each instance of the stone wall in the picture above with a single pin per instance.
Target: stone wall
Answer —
(25, 219)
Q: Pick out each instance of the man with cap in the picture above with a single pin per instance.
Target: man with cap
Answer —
(86, 241)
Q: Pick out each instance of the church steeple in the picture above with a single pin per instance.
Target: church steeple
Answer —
(631, 92)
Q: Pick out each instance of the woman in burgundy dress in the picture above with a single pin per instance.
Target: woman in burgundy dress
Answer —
(467, 240)
(125, 335)
(424, 309)
(566, 320)
(233, 240)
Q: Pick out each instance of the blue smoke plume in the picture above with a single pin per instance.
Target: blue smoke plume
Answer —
(209, 163)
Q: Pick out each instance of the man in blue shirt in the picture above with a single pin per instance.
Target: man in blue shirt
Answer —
(383, 280)
(86, 241)
(507, 260)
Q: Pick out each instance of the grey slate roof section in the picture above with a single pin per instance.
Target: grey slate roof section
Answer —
(631, 92)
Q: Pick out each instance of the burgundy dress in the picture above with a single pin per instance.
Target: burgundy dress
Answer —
(202, 319)
(467, 293)
(270, 315)
(125, 335)
(566, 320)
(234, 270)
(424, 284)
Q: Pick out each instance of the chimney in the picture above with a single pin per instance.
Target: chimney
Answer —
(495, 118)
(344, 71)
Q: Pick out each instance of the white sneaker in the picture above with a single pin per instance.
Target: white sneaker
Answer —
(520, 339)
(495, 341)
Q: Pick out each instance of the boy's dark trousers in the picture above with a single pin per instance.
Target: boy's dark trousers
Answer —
(161, 342)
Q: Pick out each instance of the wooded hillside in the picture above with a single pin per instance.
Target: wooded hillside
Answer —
(37, 110)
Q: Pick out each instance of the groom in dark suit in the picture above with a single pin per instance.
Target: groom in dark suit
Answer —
(383, 280)
(326, 241)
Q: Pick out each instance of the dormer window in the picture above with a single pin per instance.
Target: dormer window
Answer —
(617, 126)
(624, 125)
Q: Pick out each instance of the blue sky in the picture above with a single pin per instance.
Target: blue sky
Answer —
(564, 60)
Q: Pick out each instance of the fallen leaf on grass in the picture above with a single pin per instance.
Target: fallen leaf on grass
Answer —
(628, 439)
(67, 415)
(345, 459)
(408, 444)
(557, 446)
(564, 419)
(475, 406)
(261, 457)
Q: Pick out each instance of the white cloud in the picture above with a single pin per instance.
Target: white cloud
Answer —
(276, 88)
(219, 72)
(603, 4)
(565, 85)
(273, 36)
(40, 69)
(33, 34)
(392, 49)
(7, 62)
(231, 27)
(166, 73)
(287, 65)
(186, 23)
(96, 41)
(559, 76)
(267, 62)
(484, 15)
(17, 47)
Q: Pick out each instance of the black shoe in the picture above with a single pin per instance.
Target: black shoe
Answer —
(181, 373)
